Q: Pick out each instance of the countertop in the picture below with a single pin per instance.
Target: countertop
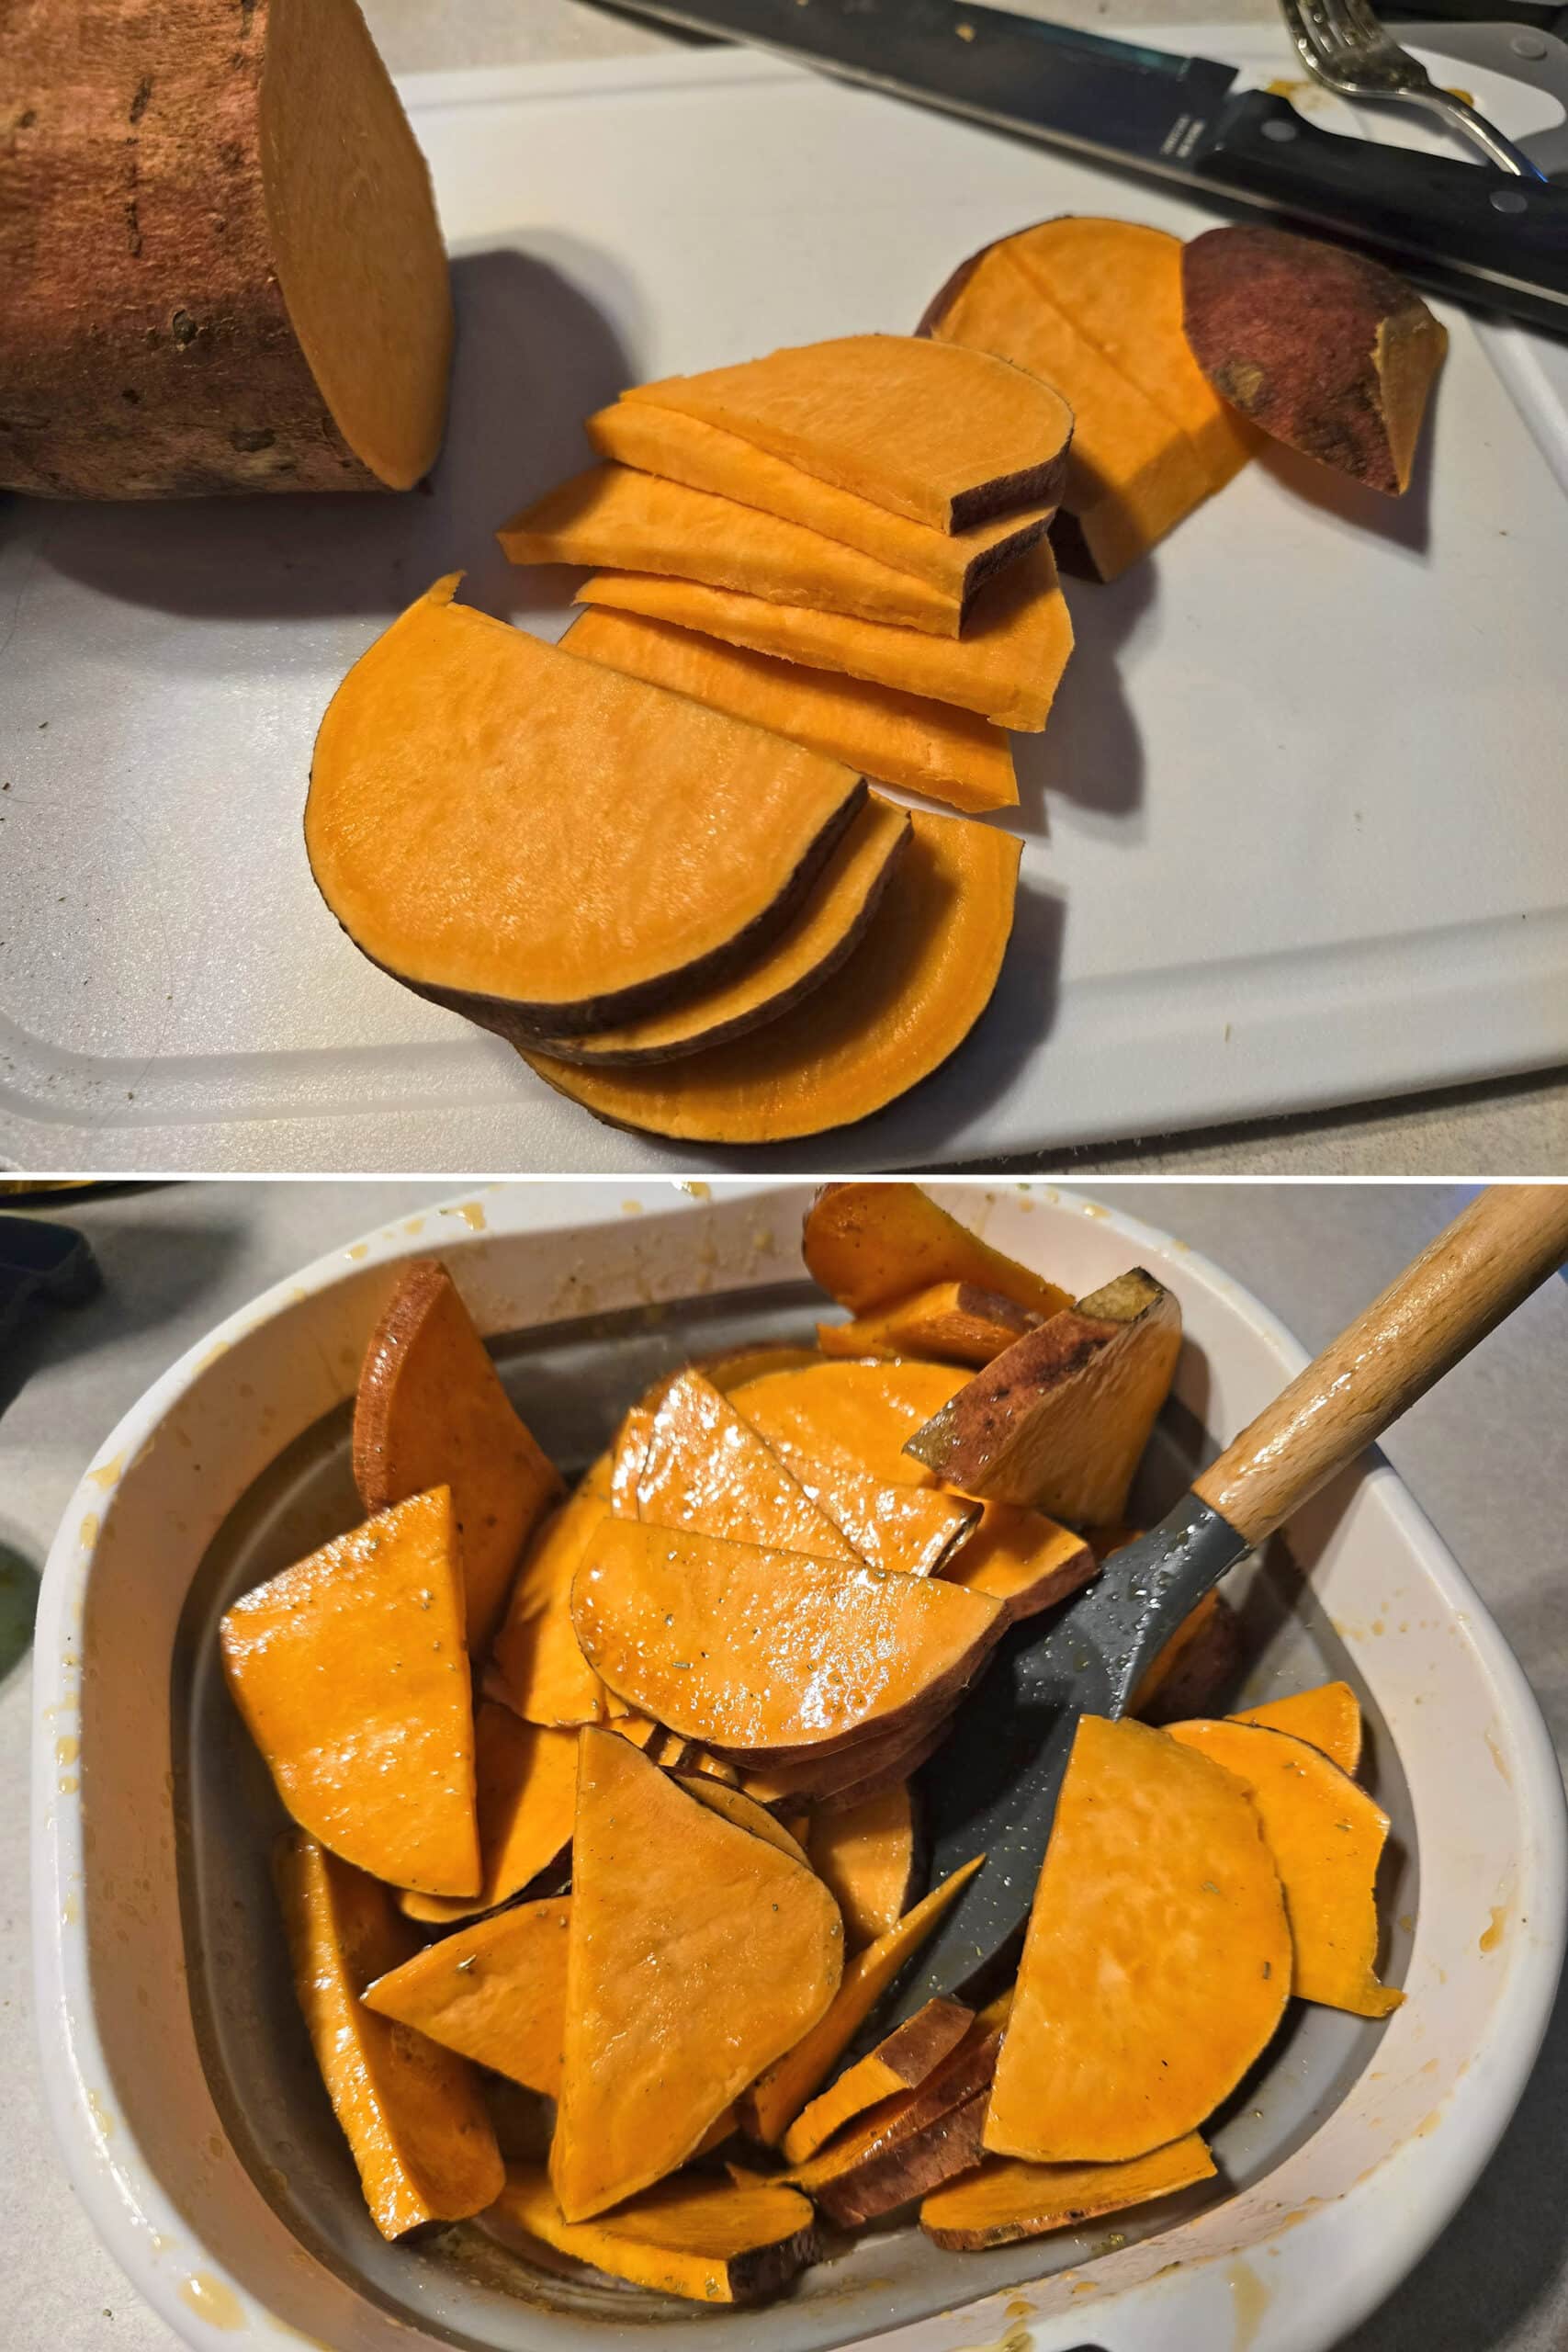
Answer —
(1486, 1456)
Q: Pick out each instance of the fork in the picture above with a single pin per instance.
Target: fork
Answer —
(1348, 50)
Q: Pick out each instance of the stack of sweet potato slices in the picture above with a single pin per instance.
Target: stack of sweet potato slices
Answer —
(606, 1845)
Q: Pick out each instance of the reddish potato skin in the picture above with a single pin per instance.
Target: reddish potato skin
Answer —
(1324, 350)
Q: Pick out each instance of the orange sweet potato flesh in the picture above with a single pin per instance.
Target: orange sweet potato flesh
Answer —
(900, 2062)
(1324, 350)
(824, 929)
(526, 1777)
(1007, 2199)
(866, 1855)
(731, 1368)
(710, 2241)
(697, 1955)
(910, 2143)
(953, 1322)
(906, 997)
(1007, 665)
(1021, 1559)
(1195, 1668)
(495, 1993)
(1328, 1716)
(931, 747)
(535, 1664)
(948, 439)
(351, 1673)
(769, 1653)
(637, 522)
(708, 1471)
(544, 843)
(411, 2111)
(872, 1245)
(1157, 1959)
(430, 1410)
(1326, 1836)
(682, 448)
(1132, 473)
(733, 1805)
(1060, 1419)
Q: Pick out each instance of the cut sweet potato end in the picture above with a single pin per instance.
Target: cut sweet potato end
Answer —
(1007, 2199)
(1328, 1717)
(708, 2241)
(495, 1993)
(526, 1777)
(866, 1855)
(901, 2061)
(950, 1322)
(708, 1471)
(874, 1246)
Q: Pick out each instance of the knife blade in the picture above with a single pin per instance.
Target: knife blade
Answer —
(1462, 228)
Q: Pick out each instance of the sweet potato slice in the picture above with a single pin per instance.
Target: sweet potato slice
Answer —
(822, 932)
(1022, 1559)
(867, 1857)
(911, 2144)
(710, 2241)
(1328, 1716)
(1326, 1836)
(627, 1458)
(839, 1773)
(535, 1664)
(907, 998)
(1060, 1419)
(430, 1410)
(1158, 1961)
(776, 2097)
(682, 448)
(525, 1779)
(546, 844)
(637, 522)
(1007, 665)
(900, 2062)
(1006, 2200)
(870, 1246)
(411, 2111)
(1196, 1667)
(1323, 348)
(708, 1471)
(951, 1322)
(948, 439)
(351, 1673)
(1132, 473)
(895, 738)
(733, 1805)
(772, 1654)
(494, 1992)
(698, 1954)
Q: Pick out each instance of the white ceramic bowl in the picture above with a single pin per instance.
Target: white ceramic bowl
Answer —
(182, 2098)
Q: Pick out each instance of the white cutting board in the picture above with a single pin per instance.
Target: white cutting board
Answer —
(1297, 832)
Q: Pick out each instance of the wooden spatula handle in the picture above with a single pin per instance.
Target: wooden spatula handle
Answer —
(1461, 1286)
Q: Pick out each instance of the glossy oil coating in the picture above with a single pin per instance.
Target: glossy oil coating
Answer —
(1328, 1716)
(870, 1246)
(707, 1470)
(526, 1777)
(536, 1665)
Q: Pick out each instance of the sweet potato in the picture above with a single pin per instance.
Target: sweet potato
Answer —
(708, 1471)
(733, 1805)
(1062, 1417)
(871, 1245)
(911, 2144)
(1006, 2200)
(1196, 1668)
(535, 1664)
(495, 1993)
(627, 1457)
(430, 1410)
(1324, 348)
(868, 1856)
(351, 1673)
(710, 2241)
(526, 1787)
(953, 1322)
(901, 2061)
(1327, 1717)
(1021, 1559)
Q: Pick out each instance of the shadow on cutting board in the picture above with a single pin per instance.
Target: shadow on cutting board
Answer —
(1092, 751)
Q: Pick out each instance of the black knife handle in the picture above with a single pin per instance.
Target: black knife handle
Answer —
(1465, 229)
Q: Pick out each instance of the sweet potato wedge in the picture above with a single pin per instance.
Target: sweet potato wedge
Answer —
(1006, 2200)
(950, 1322)
(1196, 1668)
(429, 1410)
(947, 439)
(678, 1920)
(1156, 1963)
(709, 2241)
(1326, 1836)
(1328, 1716)
(526, 1789)
(351, 1673)
(536, 1665)
(495, 1993)
(772, 1654)
(870, 1246)
(1060, 1419)
(708, 1471)
(892, 737)
(868, 1856)
(411, 2111)
(1022, 1559)
(901, 2061)
(1323, 348)
(911, 2144)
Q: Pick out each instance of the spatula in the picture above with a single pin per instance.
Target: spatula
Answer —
(994, 1784)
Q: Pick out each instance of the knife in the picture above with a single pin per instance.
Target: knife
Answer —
(1464, 229)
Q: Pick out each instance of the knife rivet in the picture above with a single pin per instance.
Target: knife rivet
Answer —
(1527, 45)
(1278, 130)
(1508, 199)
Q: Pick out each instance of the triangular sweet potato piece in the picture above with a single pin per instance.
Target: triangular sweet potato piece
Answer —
(525, 1786)
(915, 428)
(908, 995)
(710, 2241)
(494, 1992)
(536, 1665)
(429, 1410)
(1156, 1963)
(412, 2111)
(1007, 665)
(351, 1673)
(1021, 1559)
(901, 2061)
(1006, 2200)
(870, 1246)
(772, 1654)
(950, 1322)
(637, 522)
(1326, 1836)
(697, 1954)
(867, 1855)
(707, 1470)
(468, 825)
(1327, 1717)
(1060, 1421)
(682, 448)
